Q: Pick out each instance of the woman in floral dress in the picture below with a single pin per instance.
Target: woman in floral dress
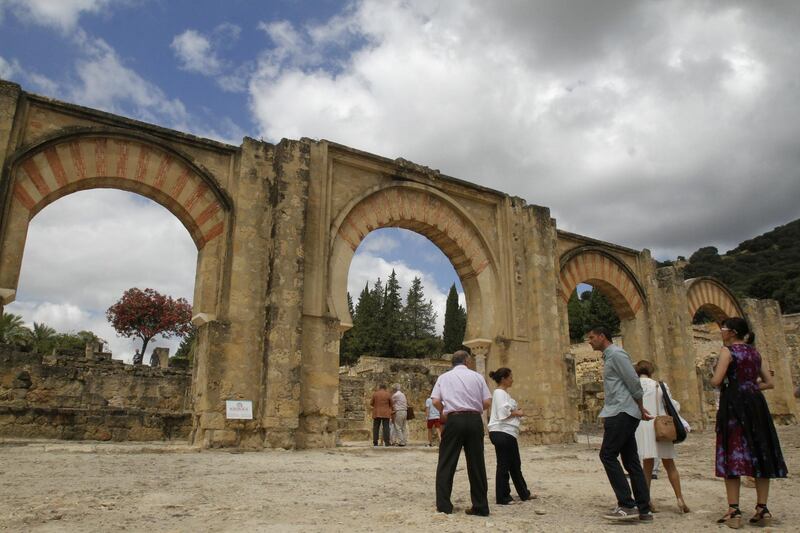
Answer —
(747, 444)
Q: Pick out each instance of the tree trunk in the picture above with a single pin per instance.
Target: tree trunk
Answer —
(144, 347)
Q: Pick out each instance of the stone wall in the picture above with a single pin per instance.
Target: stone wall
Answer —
(791, 326)
(72, 396)
(357, 383)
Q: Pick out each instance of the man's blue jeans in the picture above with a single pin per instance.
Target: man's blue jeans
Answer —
(619, 438)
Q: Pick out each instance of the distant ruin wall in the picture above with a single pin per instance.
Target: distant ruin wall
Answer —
(357, 383)
(70, 396)
(791, 325)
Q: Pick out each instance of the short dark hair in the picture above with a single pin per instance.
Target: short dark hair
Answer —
(500, 374)
(602, 330)
(460, 358)
(645, 368)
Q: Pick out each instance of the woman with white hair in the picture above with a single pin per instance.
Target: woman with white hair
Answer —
(399, 414)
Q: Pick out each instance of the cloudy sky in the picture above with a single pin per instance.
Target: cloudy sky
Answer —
(665, 125)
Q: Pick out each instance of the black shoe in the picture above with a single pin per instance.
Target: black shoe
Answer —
(474, 512)
(505, 502)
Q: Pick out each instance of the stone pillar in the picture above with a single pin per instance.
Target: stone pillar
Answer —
(9, 100)
(545, 387)
(163, 356)
(672, 341)
(764, 317)
(480, 350)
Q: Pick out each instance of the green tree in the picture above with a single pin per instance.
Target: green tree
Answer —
(577, 318)
(187, 346)
(347, 351)
(418, 315)
(13, 331)
(42, 338)
(455, 322)
(391, 317)
(600, 311)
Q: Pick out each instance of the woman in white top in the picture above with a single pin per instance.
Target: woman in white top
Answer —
(503, 432)
(649, 448)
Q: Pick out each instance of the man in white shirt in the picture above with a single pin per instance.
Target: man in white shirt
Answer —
(399, 414)
(461, 395)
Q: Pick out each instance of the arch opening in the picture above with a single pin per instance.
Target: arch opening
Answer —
(402, 281)
(709, 300)
(427, 212)
(85, 249)
(84, 160)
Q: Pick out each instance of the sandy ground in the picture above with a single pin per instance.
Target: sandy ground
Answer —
(69, 486)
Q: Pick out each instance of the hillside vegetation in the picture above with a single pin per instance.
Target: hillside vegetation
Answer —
(767, 266)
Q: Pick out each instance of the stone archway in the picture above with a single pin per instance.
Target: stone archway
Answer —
(710, 295)
(612, 277)
(602, 270)
(428, 212)
(66, 163)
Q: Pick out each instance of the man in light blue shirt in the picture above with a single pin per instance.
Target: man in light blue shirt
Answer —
(621, 414)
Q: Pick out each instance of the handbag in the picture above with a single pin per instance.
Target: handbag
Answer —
(409, 413)
(665, 428)
(669, 427)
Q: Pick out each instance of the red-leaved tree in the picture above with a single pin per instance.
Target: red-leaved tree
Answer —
(147, 313)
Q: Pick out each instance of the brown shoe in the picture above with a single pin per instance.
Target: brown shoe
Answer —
(474, 512)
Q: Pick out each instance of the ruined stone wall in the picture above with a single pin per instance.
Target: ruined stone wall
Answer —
(791, 326)
(357, 383)
(68, 396)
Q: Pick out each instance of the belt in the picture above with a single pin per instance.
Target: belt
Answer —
(463, 413)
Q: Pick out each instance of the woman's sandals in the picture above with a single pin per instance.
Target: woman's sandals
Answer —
(732, 519)
(763, 517)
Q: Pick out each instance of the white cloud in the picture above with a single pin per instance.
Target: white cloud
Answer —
(13, 71)
(86, 249)
(378, 242)
(8, 70)
(662, 112)
(194, 51)
(198, 52)
(60, 14)
(106, 83)
(366, 268)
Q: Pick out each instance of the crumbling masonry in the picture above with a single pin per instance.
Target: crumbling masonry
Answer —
(276, 227)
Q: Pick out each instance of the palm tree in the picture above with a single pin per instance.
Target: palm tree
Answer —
(13, 330)
(43, 338)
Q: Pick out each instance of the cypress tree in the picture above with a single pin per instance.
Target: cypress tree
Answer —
(455, 322)
(392, 317)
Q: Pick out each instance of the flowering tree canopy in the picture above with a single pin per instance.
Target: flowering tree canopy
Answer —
(147, 313)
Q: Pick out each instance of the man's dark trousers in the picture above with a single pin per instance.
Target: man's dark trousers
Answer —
(619, 438)
(462, 430)
(376, 425)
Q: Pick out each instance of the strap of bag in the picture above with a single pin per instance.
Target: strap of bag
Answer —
(668, 407)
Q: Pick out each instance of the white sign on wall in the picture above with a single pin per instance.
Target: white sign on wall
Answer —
(239, 409)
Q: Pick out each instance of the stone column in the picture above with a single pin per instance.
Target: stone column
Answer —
(480, 350)
(9, 98)
(764, 317)
(672, 343)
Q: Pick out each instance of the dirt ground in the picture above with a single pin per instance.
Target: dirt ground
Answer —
(82, 486)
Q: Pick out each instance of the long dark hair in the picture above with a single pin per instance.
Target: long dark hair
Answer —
(500, 374)
(740, 328)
